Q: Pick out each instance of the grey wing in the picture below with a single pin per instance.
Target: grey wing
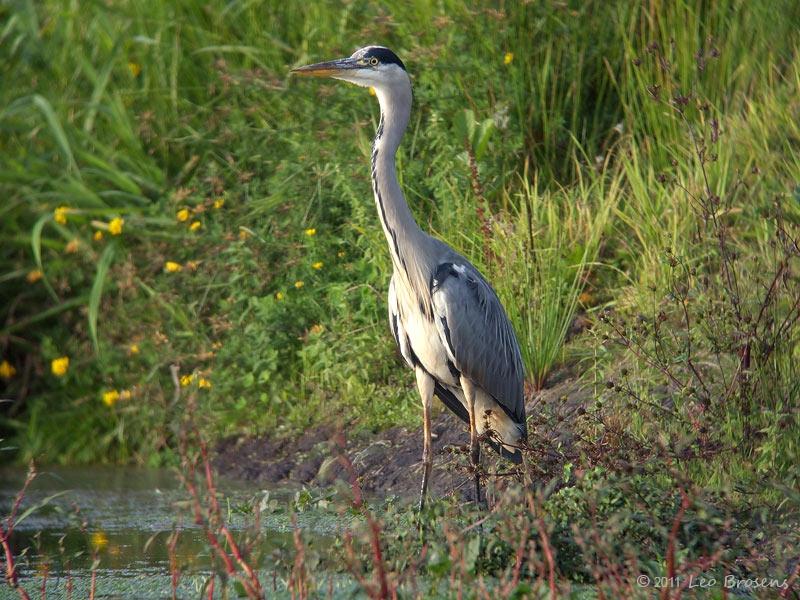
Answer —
(477, 334)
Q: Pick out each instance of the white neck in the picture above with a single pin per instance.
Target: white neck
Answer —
(396, 218)
(408, 245)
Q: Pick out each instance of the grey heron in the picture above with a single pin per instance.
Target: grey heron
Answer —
(447, 321)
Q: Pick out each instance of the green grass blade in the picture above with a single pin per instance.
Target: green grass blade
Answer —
(38, 506)
(250, 52)
(23, 324)
(56, 129)
(99, 89)
(97, 292)
(36, 246)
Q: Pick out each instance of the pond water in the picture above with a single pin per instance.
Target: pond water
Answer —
(113, 523)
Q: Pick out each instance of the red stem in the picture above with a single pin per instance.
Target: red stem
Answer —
(548, 553)
(671, 542)
(5, 536)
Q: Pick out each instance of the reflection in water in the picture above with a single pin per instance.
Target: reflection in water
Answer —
(122, 518)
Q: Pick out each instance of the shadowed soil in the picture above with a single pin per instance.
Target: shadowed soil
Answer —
(388, 462)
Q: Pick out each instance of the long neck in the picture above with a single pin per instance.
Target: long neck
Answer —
(402, 232)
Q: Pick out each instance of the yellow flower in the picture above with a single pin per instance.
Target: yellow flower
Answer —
(195, 226)
(508, 58)
(311, 232)
(219, 202)
(60, 215)
(115, 226)
(182, 215)
(72, 246)
(371, 91)
(59, 366)
(340, 254)
(34, 276)
(243, 234)
(7, 370)
(279, 296)
(134, 68)
(125, 395)
(133, 349)
(298, 284)
(316, 329)
(99, 540)
(110, 397)
(204, 383)
(317, 265)
(186, 380)
(98, 236)
(172, 267)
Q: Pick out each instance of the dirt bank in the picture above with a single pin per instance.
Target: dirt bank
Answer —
(388, 462)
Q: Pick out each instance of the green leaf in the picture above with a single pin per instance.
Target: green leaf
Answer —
(472, 553)
(465, 125)
(100, 83)
(22, 324)
(116, 176)
(36, 246)
(60, 136)
(481, 138)
(97, 292)
(523, 590)
(251, 52)
(238, 587)
(41, 504)
(439, 563)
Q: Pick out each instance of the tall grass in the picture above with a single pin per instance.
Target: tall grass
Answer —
(552, 247)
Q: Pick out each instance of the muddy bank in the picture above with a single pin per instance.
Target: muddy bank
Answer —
(387, 462)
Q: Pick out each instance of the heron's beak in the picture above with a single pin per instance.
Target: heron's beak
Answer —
(330, 68)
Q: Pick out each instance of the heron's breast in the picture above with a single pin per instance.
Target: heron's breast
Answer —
(427, 346)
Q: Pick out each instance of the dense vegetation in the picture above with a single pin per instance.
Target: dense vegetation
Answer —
(172, 196)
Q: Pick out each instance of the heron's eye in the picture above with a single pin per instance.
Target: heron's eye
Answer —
(373, 61)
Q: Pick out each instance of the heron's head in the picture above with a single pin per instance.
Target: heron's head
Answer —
(373, 66)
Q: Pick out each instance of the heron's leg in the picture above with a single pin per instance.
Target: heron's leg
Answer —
(475, 457)
(474, 444)
(425, 385)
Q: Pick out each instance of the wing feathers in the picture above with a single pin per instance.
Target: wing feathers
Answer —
(478, 335)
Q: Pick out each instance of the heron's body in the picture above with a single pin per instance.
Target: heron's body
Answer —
(423, 344)
(448, 323)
